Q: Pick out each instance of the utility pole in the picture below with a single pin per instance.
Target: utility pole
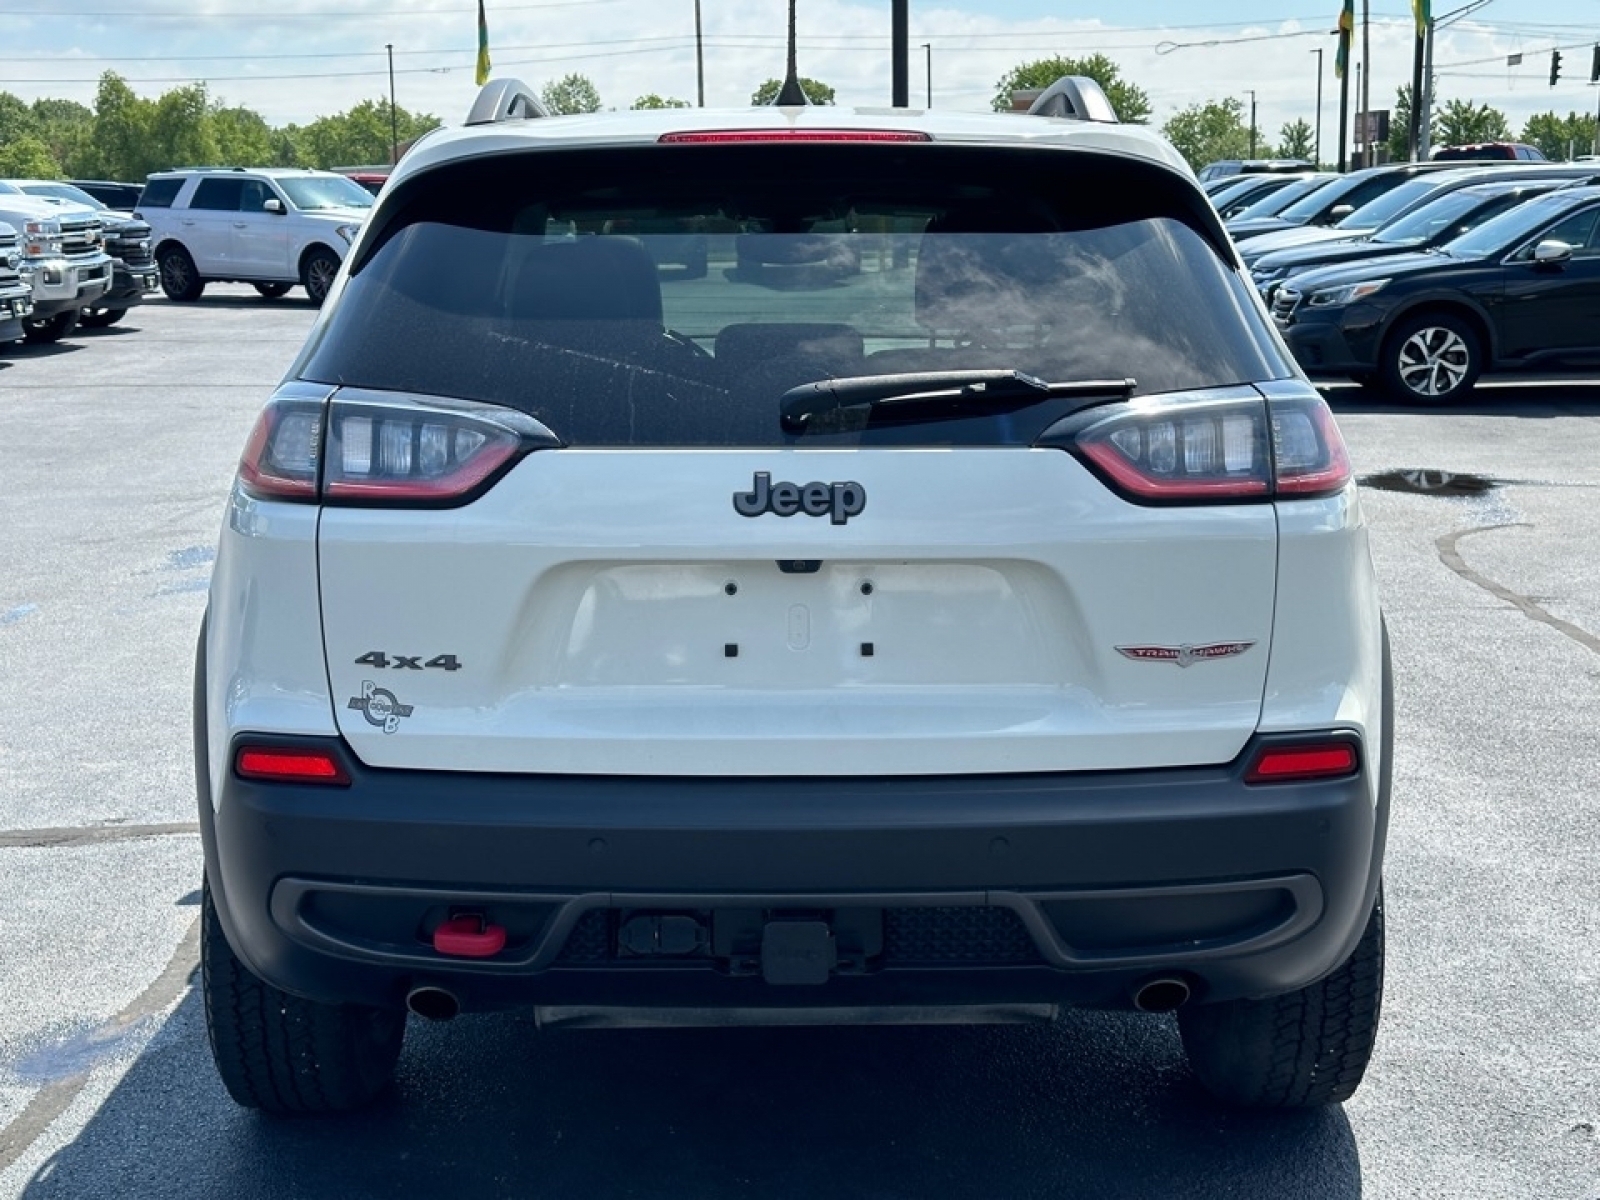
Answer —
(1365, 76)
(900, 53)
(1252, 92)
(394, 121)
(699, 57)
(1317, 157)
(928, 48)
(1419, 53)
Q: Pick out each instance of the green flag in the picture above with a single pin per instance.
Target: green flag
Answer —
(1347, 28)
(483, 47)
(1423, 11)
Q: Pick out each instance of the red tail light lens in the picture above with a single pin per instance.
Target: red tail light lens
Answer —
(1211, 447)
(1290, 764)
(369, 449)
(279, 764)
(790, 136)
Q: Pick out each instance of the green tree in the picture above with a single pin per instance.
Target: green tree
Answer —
(64, 126)
(1463, 122)
(180, 131)
(654, 101)
(1400, 124)
(1560, 138)
(570, 94)
(119, 143)
(27, 157)
(243, 137)
(1297, 140)
(1204, 133)
(816, 91)
(16, 119)
(1130, 101)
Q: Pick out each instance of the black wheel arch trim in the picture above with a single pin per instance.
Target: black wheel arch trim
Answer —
(1455, 303)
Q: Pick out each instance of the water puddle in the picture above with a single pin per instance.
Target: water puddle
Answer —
(1428, 482)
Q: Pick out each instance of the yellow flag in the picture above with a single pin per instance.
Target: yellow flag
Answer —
(483, 47)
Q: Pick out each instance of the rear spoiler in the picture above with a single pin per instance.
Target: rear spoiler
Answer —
(505, 100)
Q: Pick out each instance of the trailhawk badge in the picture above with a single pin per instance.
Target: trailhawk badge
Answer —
(841, 501)
(1184, 655)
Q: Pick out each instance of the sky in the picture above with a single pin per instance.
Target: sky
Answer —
(295, 60)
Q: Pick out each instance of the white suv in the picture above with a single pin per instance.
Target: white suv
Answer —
(986, 629)
(271, 227)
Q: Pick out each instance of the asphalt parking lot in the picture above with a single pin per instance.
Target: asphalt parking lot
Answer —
(116, 450)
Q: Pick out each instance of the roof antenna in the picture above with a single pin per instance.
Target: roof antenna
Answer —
(790, 93)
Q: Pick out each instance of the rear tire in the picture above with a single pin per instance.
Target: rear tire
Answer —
(179, 278)
(1301, 1050)
(284, 1054)
(273, 290)
(43, 330)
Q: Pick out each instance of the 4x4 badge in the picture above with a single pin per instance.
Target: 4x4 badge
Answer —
(380, 706)
(841, 501)
(1185, 655)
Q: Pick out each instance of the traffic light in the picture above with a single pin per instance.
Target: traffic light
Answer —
(1555, 66)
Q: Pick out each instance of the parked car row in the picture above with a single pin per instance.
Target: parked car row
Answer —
(1418, 278)
(85, 252)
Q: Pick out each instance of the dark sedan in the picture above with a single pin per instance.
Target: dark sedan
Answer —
(1336, 201)
(1520, 292)
(1435, 223)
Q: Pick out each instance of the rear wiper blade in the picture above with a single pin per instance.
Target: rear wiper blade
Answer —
(950, 389)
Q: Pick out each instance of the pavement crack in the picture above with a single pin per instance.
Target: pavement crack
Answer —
(90, 835)
(1450, 555)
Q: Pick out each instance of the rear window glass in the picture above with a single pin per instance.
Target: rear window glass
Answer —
(623, 299)
(159, 193)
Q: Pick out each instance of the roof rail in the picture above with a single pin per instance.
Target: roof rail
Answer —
(505, 100)
(1076, 97)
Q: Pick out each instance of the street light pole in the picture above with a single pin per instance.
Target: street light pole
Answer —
(928, 49)
(1317, 157)
(394, 121)
(1252, 122)
(699, 57)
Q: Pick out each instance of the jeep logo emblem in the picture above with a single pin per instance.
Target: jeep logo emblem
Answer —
(839, 501)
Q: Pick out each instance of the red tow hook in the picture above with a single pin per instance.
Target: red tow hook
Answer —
(469, 937)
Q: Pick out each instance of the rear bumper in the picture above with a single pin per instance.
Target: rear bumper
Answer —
(965, 890)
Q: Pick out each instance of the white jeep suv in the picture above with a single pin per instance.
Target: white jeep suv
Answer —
(986, 630)
(272, 227)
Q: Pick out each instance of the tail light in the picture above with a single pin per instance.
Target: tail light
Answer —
(1211, 447)
(373, 450)
(1297, 763)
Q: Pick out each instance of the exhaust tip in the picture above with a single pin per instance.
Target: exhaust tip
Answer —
(1161, 995)
(432, 1003)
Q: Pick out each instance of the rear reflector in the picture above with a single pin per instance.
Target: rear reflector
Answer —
(278, 764)
(792, 136)
(1287, 764)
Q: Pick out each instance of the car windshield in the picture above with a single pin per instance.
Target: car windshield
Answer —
(325, 191)
(1502, 233)
(622, 304)
(1380, 211)
(1275, 203)
(1322, 199)
(63, 191)
(1431, 219)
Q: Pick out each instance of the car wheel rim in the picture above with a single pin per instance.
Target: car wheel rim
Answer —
(175, 273)
(319, 277)
(1434, 361)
